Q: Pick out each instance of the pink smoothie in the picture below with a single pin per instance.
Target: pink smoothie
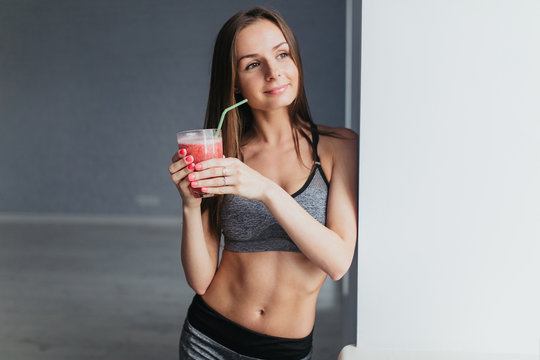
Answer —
(203, 151)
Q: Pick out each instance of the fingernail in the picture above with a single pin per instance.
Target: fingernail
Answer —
(193, 184)
(182, 152)
(198, 167)
(204, 189)
(189, 158)
(191, 167)
(191, 176)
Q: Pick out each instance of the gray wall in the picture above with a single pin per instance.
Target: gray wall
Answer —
(92, 93)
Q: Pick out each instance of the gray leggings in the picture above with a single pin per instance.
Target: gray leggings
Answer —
(194, 345)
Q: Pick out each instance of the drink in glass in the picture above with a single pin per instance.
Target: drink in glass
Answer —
(202, 144)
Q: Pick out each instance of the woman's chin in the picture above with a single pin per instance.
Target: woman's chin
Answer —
(273, 104)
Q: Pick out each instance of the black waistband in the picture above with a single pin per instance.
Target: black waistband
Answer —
(242, 340)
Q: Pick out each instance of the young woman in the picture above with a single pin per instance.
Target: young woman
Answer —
(285, 202)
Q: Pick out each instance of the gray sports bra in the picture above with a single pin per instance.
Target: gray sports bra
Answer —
(248, 226)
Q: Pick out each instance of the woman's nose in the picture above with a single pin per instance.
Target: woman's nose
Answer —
(272, 71)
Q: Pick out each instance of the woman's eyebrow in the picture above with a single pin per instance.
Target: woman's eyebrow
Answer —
(255, 55)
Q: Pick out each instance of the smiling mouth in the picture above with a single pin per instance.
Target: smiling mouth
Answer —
(277, 90)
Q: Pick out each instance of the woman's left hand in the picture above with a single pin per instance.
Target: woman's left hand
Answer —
(229, 176)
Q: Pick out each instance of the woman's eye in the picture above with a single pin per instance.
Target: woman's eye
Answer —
(282, 55)
(252, 65)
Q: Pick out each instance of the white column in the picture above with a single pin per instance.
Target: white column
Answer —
(449, 217)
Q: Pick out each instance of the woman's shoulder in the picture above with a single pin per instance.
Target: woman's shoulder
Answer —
(337, 138)
(338, 146)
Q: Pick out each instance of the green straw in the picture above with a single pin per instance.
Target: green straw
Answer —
(225, 111)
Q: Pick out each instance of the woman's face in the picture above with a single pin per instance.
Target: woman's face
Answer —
(266, 74)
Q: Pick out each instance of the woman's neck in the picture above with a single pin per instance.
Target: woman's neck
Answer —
(272, 127)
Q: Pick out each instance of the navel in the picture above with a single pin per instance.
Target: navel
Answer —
(261, 312)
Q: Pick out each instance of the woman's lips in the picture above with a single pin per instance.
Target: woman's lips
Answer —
(277, 90)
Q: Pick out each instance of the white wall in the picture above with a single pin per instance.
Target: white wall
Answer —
(449, 229)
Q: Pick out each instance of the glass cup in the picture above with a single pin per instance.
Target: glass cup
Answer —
(202, 144)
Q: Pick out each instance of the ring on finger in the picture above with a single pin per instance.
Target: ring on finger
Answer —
(224, 181)
(225, 171)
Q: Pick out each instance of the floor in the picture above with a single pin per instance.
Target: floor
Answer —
(80, 291)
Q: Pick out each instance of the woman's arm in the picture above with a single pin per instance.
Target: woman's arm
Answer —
(199, 249)
(330, 247)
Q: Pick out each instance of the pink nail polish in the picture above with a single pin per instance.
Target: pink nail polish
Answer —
(182, 152)
(193, 184)
(204, 189)
(189, 158)
(198, 167)
(191, 177)
(191, 166)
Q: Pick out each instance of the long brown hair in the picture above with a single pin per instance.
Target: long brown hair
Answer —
(239, 122)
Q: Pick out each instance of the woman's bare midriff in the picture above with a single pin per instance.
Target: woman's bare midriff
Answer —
(273, 292)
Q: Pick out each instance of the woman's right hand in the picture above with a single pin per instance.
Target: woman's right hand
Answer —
(180, 168)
